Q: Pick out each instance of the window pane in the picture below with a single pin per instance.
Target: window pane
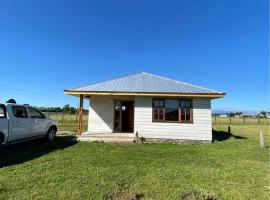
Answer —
(183, 104)
(34, 113)
(171, 103)
(183, 118)
(188, 104)
(161, 114)
(187, 115)
(171, 114)
(158, 103)
(155, 113)
(19, 112)
(171, 109)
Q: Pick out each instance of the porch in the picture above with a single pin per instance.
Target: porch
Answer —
(107, 137)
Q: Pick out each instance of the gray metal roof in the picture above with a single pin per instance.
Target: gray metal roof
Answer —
(144, 83)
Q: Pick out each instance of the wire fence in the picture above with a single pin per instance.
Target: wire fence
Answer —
(240, 120)
(69, 122)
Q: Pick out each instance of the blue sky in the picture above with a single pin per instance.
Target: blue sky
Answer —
(48, 46)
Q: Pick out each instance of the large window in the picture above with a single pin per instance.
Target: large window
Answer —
(172, 110)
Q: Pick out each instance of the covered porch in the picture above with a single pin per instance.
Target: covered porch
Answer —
(109, 115)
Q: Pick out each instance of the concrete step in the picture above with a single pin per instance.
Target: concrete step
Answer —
(114, 139)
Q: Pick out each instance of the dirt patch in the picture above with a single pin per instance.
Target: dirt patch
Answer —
(190, 196)
(125, 197)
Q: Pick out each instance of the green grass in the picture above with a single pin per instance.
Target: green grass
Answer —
(233, 168)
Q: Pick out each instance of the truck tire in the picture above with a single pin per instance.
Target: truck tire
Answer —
(51, 134)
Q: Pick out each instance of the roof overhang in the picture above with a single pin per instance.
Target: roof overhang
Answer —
(91, 93)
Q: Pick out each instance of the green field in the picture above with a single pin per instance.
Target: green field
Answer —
(231, 168)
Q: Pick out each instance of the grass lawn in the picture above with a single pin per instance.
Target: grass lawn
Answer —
(232, 168)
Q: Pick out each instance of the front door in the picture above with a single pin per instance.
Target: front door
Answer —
(123, 116)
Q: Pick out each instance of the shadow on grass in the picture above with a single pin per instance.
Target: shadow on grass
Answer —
(25, 151)
(222, 135)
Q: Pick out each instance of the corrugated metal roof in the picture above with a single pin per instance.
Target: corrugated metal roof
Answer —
(144, 83)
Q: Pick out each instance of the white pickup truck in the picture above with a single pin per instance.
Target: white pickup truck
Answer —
(22, 122)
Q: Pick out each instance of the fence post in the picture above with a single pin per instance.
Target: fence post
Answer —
(229, 130)
(261, 139)
(230, 119)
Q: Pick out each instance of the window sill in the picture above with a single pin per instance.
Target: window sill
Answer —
(174, 122)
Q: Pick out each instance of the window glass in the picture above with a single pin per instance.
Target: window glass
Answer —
(2, 112)
(185, 110)
(19, 112)
(171, 109)
(156, 110)
(35, 113)
(158, 103)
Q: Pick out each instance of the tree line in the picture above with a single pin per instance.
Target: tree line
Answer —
(66, 109)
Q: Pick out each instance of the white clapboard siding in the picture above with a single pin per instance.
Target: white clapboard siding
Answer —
(200, 129)
(101, 113)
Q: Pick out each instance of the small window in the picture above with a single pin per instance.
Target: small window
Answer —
(2, 111)
(34, 113)
(19, 112)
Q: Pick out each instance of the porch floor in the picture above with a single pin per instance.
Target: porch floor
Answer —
(107, 137)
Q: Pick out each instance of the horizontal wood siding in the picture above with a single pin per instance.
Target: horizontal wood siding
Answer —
(201, 129)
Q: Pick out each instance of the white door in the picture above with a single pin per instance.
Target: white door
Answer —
(39, 122)
(21, 125)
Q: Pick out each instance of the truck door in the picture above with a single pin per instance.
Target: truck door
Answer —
(39, 122)
(20, 124)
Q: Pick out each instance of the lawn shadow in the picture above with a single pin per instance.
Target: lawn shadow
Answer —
(26, 151)
(222, 135)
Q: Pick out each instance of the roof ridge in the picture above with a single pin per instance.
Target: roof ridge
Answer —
(180, 82)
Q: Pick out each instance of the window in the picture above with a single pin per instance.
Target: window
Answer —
(2, 111)
(172, 110)
(19, 112)
(34, 113)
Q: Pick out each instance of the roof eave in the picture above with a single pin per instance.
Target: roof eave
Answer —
(90, 93)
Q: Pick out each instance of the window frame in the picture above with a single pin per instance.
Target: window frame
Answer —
(27, 115)
(179, 111)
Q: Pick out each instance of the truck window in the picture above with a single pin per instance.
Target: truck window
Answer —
(34, 113)
(2, 111)
(19, 112)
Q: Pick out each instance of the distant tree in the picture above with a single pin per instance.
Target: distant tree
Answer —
(263, 113)
(66, 108)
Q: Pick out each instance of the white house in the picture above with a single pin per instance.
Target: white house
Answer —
(149, 106)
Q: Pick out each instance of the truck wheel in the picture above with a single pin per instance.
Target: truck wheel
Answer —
(51, 134)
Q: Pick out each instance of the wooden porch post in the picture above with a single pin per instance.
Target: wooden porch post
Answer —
(80, 121)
